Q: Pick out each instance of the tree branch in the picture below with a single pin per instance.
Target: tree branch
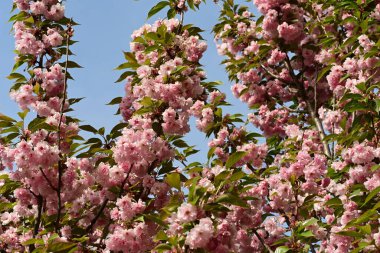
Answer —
(273, 75)
(60, 163)
(48, 180)
(93, 221)
(262, 241)
(311, 110)
(105, 229)
(37, 221)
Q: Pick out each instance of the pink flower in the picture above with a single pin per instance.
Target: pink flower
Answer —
(38, 8)
(186, 213)
(365, 42)
(201, 234)
(290, 33)
(276, 57)
(56, 12)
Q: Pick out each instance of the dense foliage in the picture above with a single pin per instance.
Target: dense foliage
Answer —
(310, 182)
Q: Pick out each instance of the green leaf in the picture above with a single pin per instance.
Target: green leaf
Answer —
(350, 233)
(377, 101)
(366, 216)
(371, 195)
(309, 222)
(74, 100)
(88, 128)
(10, 137)
(40, 250)
(35, 123)
(6, 118)
(126, 65)
(146, 102)
(333, 202)
(61, 247)
(234, 158)
(6, 206)
(236, 176)
(282, 249)
(174, 180)
(70, 64)
(5, 124)
(211, 153)
(101, 130)
(33, 241)
(118, 127)
(157, 8)
(8, 187)
(124, 76)
(361, 87)
(115, 101)
(307, 234)
(354, 106)
(23, 114)
(180, 143)
(160, 236)
(29, 20)
(17, 76)
(171, 13)
(164, 247)
(365, 229)
(231, 199)
(179, 69)
(375, 167)
(323, 72)
(129, 57)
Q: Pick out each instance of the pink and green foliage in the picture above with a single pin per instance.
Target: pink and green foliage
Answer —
(308, 70)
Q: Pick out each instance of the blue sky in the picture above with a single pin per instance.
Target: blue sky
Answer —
(104, 33)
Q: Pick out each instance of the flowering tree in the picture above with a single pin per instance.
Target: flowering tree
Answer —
(309, 72)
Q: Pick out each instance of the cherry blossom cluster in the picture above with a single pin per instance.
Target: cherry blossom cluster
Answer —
(171, 77)
(50, 9)
(285, 67)
(164, 89)
(33, 162)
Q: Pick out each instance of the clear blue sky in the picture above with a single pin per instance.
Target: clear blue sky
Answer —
(104, 33)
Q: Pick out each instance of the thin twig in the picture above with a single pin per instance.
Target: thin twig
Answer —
(93, 221)
(274, 75)
(48, 180)
(262, 241)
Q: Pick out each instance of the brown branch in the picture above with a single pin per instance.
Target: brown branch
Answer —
(320, 129)
(48, 180)
(37, 221)
(105, 229)
(93, 221)
(61, 111)
(104, 204)
(312, 111)
(273, 75)
(262, 241)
